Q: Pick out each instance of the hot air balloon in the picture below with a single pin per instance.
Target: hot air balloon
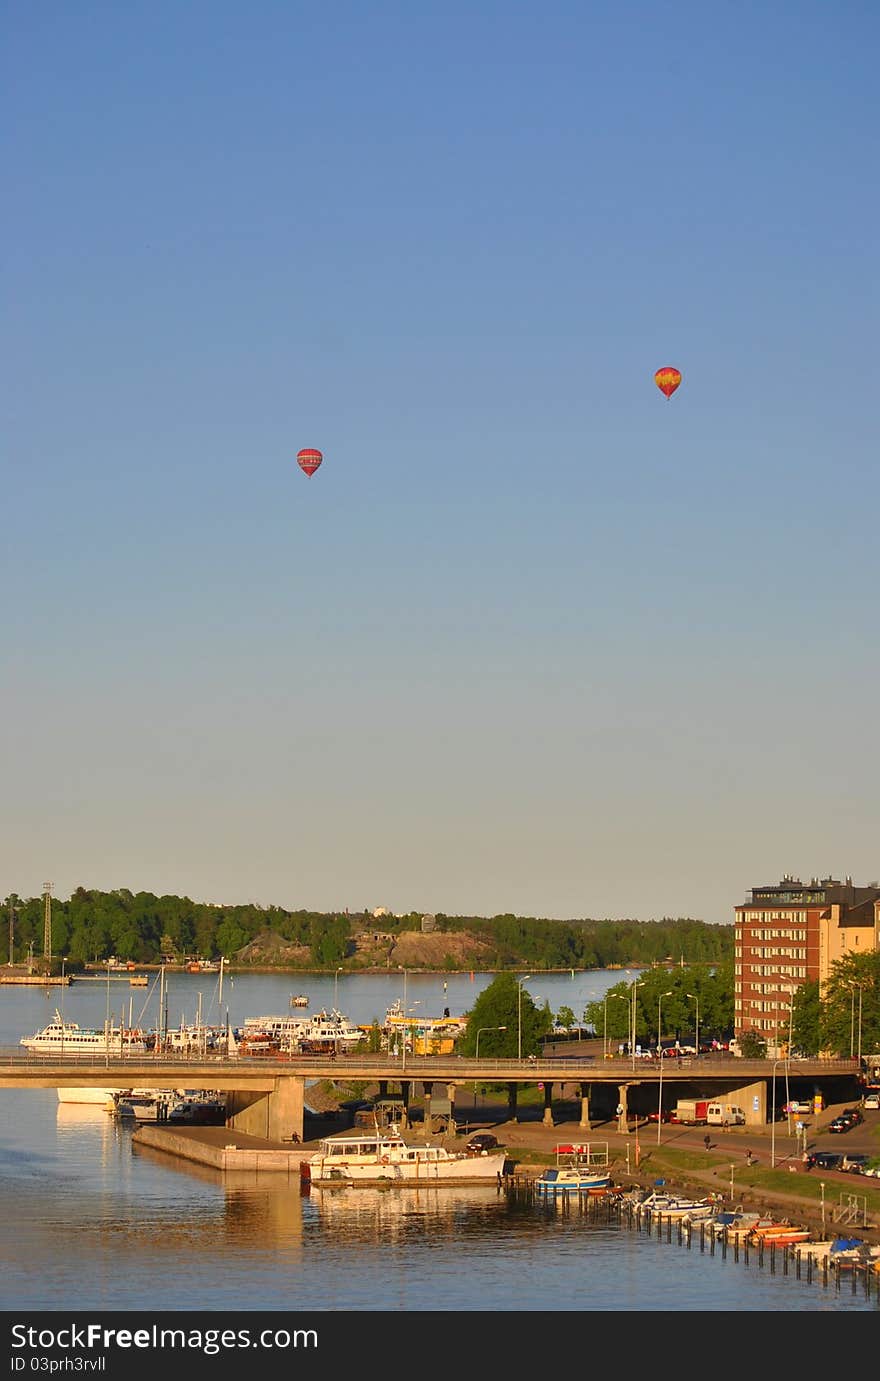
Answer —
(308, 460)
(667, 380)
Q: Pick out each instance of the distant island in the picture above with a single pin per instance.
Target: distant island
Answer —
(93, 926)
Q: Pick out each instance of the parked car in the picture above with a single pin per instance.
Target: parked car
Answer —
(855, 1164)
(845, 1121)
(872, 1102)
(801, 1106)
(664, 1116)
(824, 1160)
(482, 1141)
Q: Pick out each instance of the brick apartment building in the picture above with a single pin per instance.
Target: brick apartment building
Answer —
(791, 932)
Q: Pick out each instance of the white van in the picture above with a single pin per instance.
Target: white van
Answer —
(719, 1113)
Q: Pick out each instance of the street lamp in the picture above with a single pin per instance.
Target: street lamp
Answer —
(406, 1025)
(773, 1116)
(477, 1051)
(621, 998)
(660, 1053)
(519, 985)
(63, 962)
(107, 1020)
(632, 1037)
(697, 1032)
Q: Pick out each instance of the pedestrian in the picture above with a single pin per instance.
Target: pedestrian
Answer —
(748, 1157)
(707, 1141)
(725, 1126)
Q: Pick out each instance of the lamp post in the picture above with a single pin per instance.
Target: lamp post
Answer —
(63, 962)
(336, 989)
(477, 1051)
(660, 1053)
(620, 998)
(773, 1116)
(406, 1024)
(632, 1024)
(519, 985)
(697, 1032)
(107, 1020)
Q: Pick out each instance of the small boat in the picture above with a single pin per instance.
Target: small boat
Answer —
(778, 1234)
(143, 1104)
(378, 1159)
(138, 980)
(299, 1000)
(677, 1206)
(583, 1168)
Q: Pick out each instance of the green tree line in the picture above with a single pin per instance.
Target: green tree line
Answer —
(94, 925)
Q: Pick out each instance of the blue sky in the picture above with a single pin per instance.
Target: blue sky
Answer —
(533, 638)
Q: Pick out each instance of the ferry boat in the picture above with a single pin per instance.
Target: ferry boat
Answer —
(581, 1167)
(68, 1038)
(346, 1159)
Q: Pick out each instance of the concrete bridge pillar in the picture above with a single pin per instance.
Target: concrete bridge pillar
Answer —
(405, 1091)
(586, 1090)
(548, 1104)
(276, 1115)
(511, 1102)
(621, 1107)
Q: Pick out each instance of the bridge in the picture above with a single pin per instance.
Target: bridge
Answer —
(266, 1095)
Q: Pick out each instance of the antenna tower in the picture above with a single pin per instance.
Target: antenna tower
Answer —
(47, 921)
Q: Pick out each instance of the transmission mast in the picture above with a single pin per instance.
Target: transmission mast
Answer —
(47, 923)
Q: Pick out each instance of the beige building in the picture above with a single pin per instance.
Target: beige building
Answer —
(788, 933)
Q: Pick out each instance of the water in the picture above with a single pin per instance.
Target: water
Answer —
(89, 1222)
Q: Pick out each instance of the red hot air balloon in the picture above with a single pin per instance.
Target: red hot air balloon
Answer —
(667, 380)
(308, 460)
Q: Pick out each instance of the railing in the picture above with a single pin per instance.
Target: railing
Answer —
(537, 1068)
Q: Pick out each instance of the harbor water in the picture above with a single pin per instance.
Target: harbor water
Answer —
(90, 1221)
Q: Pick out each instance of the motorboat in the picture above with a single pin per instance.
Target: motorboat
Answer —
(677, 1206)
(378, 1158)
(582, 1168)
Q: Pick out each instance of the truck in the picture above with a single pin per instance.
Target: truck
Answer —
(725, 1115)
(692, 1112)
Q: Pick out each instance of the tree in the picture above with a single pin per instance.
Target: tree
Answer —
(850, 1020)
(753, 1046)
(505, 1003)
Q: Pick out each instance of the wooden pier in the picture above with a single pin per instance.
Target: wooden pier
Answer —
(615, 1206)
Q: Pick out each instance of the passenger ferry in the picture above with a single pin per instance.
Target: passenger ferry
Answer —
(378, 1158)
(67, 1038)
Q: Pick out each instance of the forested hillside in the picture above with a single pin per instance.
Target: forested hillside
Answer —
(93, 925)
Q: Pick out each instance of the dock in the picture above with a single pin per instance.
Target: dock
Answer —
(222, 1148)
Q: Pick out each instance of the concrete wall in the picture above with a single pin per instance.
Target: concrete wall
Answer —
(278, 1115)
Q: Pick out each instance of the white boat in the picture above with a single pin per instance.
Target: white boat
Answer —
(67, 1038)
(322, 1031)
(677, 1206)
(375, 1159)
(300, 1000)
(144, 1105)
(581, 1167)
(94, 1097)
